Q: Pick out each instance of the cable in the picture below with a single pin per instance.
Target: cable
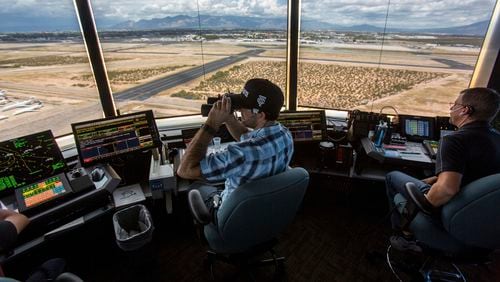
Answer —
(391, 107)
(390, 264)
(336, 140)
(382, 46)
(201, 40)
(330, 123)
(396, 119)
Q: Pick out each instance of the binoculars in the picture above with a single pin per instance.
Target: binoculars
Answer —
(236, 103)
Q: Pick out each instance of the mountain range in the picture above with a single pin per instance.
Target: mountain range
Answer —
(11, 23)
(239, 22)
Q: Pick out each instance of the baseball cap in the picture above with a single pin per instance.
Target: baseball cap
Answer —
(263, 95)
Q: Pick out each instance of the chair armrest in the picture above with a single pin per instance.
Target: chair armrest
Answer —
(198, 208)
(68, 277)
(419, 199)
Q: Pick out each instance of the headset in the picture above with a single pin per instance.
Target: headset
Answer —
(469, 108)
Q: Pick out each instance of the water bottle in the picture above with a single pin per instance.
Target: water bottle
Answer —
(380, 134)
(216, 144)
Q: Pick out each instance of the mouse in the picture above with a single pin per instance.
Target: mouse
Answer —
(97, 174)
(76, 173)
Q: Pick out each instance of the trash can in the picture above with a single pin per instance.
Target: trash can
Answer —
(133, 227)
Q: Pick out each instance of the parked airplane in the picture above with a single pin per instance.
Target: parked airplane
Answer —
(33, 108)
(21, 104)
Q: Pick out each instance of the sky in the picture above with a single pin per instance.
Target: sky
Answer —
(402, 13)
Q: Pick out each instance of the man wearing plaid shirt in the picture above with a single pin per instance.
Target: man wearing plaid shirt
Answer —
(264, 151)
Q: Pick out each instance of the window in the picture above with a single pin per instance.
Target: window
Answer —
(420, 63)
(168, 57)
(42, 67)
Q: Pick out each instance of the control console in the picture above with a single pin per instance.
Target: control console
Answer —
(80, 180)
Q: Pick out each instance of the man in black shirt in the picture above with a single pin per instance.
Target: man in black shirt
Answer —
(470, 153)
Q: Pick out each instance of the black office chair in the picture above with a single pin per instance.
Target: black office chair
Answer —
(251, 218)
(468, 232)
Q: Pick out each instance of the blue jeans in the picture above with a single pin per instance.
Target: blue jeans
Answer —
(395, 184)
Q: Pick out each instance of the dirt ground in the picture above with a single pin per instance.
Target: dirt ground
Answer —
(69, 94)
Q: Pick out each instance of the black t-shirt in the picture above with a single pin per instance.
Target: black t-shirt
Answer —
(8, 235)
(473, 151)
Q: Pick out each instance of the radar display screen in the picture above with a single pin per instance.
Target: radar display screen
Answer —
(103, 139)
(27, 159)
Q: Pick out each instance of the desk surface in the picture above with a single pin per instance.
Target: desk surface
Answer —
(413, 154)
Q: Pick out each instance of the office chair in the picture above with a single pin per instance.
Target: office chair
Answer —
(251, 218)
(63, 277)
(467, 233)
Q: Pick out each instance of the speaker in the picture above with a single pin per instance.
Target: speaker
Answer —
(79, 180)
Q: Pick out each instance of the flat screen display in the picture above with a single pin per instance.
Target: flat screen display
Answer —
(305, 126)
(43, 191)
(417, 128)
(103, 139)
(27, 159)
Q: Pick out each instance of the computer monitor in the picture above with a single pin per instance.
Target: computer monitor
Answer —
(188, 135)
(417, 128)
(42, 191)
(496, 122)
(305, 126)
(102, 140)
(27, 159)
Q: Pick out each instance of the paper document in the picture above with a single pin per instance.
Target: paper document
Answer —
(415, 156)
(128, 195)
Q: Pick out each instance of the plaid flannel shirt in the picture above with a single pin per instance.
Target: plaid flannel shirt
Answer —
(260, 153)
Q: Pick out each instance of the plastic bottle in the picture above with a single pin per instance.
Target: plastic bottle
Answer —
(215, 144)
(380, 134)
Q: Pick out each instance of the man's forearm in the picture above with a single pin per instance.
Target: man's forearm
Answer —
(190, 164)
(446, 186)
(439, 195)
(430, 180)
(20, 221)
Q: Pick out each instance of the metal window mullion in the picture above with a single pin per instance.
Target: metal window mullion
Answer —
(93, 46)
(292, 55)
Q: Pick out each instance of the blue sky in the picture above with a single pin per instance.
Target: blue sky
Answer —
(402, 13)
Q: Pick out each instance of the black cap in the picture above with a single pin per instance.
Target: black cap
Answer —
(263, 95)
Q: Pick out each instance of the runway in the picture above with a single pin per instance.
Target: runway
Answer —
(147, 90)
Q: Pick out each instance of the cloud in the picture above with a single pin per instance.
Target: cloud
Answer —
(136, 10)
(402, 13)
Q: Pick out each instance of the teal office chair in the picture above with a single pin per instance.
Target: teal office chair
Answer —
(468, 230)
(251, 218)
